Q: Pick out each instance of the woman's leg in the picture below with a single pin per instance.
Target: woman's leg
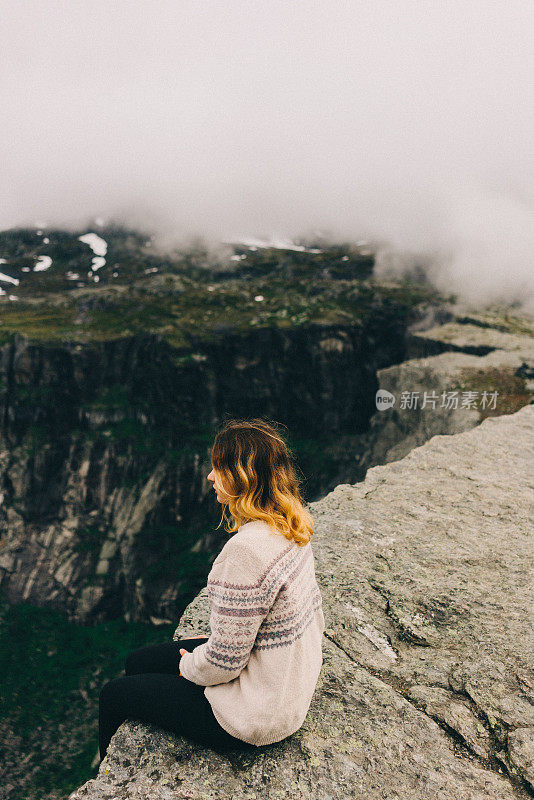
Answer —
(162, 657)
(169, 701)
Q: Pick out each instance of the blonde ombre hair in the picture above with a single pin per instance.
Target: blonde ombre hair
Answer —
(256, 472)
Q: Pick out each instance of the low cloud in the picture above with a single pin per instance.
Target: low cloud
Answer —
(405, 124)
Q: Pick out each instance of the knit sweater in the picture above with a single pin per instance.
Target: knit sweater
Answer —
(262, 660)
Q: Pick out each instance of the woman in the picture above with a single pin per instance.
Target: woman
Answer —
(252, 680)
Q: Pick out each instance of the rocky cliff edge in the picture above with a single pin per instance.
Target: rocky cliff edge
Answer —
(426, 689)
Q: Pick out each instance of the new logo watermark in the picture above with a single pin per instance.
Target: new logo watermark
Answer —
(447, 400)
(384, 399)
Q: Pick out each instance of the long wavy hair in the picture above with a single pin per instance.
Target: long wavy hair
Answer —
(255, 467)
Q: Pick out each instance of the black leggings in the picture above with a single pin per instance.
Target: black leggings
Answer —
(153, 691)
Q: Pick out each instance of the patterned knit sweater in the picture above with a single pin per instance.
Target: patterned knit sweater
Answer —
(261, 663)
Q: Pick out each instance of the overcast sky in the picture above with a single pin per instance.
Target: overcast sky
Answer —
(408, 123)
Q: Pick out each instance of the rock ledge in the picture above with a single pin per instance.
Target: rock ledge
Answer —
(426, 689)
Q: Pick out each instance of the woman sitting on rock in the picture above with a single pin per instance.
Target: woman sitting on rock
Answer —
(252, 680)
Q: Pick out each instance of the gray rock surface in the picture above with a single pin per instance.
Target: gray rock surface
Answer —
(395, 432)
(426, 690)
(495, 354)
(468, 336)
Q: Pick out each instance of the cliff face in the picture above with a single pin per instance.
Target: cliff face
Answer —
(104, 447)
(104, 451)
(484, 352)
(503, 365)
(112, 385)
(426, 686)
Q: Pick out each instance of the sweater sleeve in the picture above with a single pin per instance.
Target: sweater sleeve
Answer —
(238, 605)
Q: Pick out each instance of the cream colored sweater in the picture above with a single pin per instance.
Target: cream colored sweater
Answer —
(262, 660)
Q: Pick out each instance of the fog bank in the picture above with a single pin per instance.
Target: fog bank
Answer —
(407, 124)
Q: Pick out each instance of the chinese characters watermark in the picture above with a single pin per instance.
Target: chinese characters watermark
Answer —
(448, 400)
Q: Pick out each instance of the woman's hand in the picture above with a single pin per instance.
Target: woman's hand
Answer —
(182, 651)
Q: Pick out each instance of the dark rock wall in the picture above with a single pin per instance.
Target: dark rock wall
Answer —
(104, 452)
